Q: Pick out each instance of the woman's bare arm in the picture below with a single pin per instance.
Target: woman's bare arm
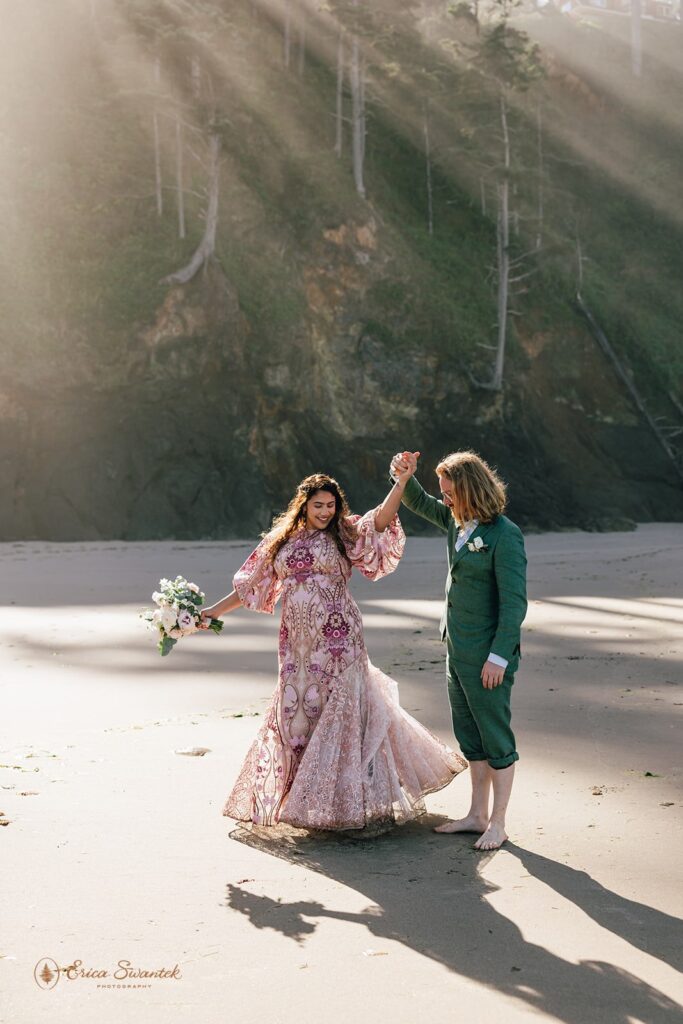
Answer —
(392, 502)
(222, 607)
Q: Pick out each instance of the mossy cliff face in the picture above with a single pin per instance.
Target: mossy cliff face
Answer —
(327, 330)
(201, 436)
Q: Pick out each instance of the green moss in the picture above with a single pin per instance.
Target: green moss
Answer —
(269, 291)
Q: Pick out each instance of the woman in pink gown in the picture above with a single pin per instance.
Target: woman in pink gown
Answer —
(336, 750)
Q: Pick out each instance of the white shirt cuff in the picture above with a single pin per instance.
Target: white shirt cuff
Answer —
(497, 660)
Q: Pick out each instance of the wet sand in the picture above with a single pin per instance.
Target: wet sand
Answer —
(116, 848)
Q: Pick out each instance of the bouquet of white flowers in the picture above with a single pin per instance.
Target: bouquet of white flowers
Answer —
(178, 612)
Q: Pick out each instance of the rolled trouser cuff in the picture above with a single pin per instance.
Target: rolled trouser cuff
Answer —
(503, 762)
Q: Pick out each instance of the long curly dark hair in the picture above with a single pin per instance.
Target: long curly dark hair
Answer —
(294, 515)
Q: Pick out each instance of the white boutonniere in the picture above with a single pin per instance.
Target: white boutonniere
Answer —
(477, 545)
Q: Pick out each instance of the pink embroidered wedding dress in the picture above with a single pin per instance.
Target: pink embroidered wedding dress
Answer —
(336, 750)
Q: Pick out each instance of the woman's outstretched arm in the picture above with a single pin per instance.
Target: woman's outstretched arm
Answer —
(392, 502)
(222, 607)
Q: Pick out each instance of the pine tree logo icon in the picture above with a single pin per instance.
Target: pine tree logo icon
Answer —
(46, 973)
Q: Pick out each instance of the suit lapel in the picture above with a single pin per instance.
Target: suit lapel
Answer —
(482, 530)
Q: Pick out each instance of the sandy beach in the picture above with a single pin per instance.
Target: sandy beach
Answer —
(115, 848)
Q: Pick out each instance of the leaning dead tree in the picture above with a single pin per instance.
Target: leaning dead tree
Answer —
(207, 245)
(623, 375)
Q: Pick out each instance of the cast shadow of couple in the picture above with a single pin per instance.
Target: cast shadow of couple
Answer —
(428, 892)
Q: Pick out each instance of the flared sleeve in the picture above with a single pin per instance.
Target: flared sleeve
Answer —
(257, 584)
(373, 553)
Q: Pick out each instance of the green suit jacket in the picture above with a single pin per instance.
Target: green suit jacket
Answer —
(486, 598)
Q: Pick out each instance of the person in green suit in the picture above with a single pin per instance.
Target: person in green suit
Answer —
(485, 606)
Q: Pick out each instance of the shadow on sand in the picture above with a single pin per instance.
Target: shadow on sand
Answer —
(430, 895)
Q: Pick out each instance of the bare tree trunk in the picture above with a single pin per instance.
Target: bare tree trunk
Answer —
(503, 247)
(302, 41)
(196, 76)
(287, 40)
(179, 178)
(539, 135)
(428, 160)
(340, 95)
(356, 76)
(207, 245)
(636, 38)
(157, 149)
(363, 133)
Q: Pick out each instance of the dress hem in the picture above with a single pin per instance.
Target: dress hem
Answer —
(368, 822)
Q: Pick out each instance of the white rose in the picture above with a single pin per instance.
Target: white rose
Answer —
(157, 597)
(478, 543)
(175, 634)
(194, 588)
(168, 618)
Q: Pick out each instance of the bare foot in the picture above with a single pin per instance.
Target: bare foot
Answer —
(468, 824)
(493, 837)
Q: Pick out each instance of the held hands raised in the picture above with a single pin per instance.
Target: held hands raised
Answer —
(403, 465)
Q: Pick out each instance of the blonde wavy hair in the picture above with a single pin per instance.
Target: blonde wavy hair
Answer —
(478, 491)
(294, 516)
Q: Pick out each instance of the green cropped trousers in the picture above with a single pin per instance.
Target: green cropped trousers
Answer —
(481, 717)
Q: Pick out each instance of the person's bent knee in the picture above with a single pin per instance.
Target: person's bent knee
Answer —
(503, 762)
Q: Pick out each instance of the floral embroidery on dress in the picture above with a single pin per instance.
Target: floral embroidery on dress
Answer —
(335, 631)
(300, 562)
(283, 640)
(336, 749)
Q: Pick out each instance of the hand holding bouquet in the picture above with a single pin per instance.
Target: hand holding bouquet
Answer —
(178, 612)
